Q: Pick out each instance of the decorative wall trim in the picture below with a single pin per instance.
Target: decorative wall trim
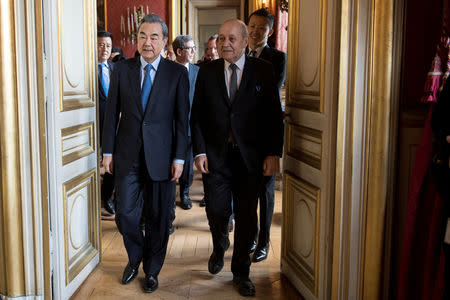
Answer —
(79, 95)
(305, 144)
(77, 141)
(303, 254)
(74, 189)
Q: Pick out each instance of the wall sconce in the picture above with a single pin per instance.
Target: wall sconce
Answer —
(132, 20)
(264, 4)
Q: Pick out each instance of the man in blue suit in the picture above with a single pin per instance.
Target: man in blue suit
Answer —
(105, 67)
(147, 148)
(184, 49)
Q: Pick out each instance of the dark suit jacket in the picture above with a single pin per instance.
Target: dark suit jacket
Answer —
(102, 98)
(160, 131)
(193, 71)
(254, 117)
(278, 61)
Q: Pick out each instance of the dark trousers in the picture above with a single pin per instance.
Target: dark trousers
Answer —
(266, 205)
(137, 194)
(234, 183)
(187, 176)
(107, 187)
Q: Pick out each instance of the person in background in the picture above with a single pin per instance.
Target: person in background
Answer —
(210, 51)
(170, 55)
(184, 49)
(105, 67)
(237, 137)
(115, 51)
(260, 27)
(146, 149)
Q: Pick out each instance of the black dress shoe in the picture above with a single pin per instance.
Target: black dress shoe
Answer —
(260, 254)
(186, 203)
(244, 285)
(129, 273)
(253, 247)
(203, 202)
(150, 283)
(108, 205)
(215, 263)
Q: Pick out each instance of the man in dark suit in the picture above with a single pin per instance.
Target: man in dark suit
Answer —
(237, 134)
(147, 146)
(260, 27)
(184, 49)
(105, 67)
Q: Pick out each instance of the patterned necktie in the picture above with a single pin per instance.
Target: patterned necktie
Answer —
(146, 86)
(233, 82)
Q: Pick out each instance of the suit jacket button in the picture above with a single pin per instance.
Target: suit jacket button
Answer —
(145, 123)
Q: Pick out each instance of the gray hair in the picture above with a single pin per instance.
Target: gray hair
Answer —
(180, 42)
(152, 18)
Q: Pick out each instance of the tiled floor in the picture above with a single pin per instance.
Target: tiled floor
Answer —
(185, 273)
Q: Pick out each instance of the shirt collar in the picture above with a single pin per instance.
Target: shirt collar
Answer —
(187, 66)
(154, 64)
(104, 64)
(239, 63)
(258, 50)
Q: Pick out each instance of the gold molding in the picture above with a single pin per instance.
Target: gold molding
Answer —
(70, 133)
(306, 100)
(86, 97)
(12, 252)
(302, 154)
(309, 277)
(74, 265)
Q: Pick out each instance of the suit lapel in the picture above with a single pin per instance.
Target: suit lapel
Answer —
(135, 84)
(221, 81)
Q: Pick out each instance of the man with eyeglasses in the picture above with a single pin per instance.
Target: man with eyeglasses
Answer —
(184, 49)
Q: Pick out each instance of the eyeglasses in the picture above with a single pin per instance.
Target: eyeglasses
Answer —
(190, 48)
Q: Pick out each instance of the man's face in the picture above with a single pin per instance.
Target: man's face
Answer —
(230, 43)
(104, 45)
(211, 51)
(258, 31)
(187, 54)
(169, 53)
(150, 41)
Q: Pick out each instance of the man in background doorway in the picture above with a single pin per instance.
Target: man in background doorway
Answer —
(210, 51)
(184, 49)
(260, 28)
(105, 67)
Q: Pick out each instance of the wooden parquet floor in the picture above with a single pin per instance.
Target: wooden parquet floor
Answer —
(185, 272)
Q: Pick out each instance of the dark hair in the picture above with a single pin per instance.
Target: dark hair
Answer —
(213, 37)
(102, 33)
(262, 12)
(117, 49)
(119, 57)
(180, 43)
(152, 18)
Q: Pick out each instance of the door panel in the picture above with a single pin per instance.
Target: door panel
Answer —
(309, 160)
(71, 95)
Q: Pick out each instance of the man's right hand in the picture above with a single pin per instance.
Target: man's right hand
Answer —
(108, 164)
(201, 162)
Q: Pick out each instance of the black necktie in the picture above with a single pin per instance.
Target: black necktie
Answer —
(233, 82)
(253, 53)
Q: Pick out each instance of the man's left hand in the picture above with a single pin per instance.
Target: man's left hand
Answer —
(271, 165)
(177, 170)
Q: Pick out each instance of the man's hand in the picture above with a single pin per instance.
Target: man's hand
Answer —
(271, 165)
(177, 170)
(108, 164)
(201, 162)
